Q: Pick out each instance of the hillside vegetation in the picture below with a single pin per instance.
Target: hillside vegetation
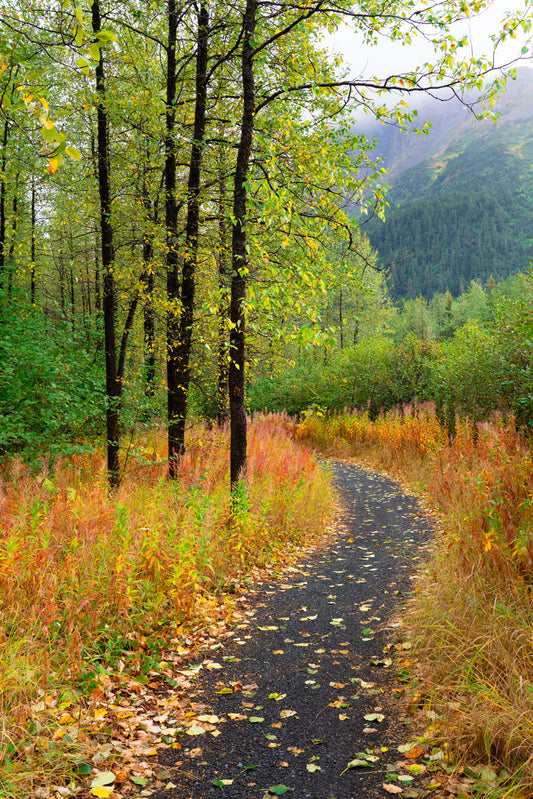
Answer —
(465, 210)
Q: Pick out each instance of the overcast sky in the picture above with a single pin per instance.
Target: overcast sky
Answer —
(388, 58)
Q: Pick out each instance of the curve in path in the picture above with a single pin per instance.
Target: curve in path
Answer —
(305, 663)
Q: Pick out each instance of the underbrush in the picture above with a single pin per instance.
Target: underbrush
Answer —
(89, 582)
(473, 614)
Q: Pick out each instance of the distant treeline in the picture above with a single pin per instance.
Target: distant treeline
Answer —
(472, 356)
(466, 220)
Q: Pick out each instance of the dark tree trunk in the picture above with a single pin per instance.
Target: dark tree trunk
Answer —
(341, 320)
(149, 327)
(180, 343)
(88, 291)
(32, 256)
(3, 191)
(97, 289)
(238, 253)
(148, 272)
(72, 298)
(11, 252)
(113, 388)
(222, 265)
(171, 226)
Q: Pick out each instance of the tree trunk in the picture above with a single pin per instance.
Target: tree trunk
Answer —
(171, 226)
(11, 252)
(3, 191)
(222, 265)
(180, 343)
(148, 288)
(113, 388)
(32, 255)
(341, 321)
(238, 256)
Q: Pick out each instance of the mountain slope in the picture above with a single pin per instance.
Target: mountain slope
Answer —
(461, 202)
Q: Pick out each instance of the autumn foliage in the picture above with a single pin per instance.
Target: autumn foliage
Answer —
(82, 571)
(473, 612)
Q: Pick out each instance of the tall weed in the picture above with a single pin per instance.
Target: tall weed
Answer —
(81, 572)
(473, 613)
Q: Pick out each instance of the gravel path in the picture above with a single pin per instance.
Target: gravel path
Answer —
(301, 674)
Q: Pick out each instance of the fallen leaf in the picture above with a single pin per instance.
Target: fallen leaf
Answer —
(279, 790)
(139, 780)
(102, 791)
(374, 717)
(285, 714)
(312, 767)
(195, 730)
(256, 719)
(391, 788)
(103, 778)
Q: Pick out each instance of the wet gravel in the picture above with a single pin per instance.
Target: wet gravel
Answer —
(310, 645)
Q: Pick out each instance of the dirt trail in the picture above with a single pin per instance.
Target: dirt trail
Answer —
(305, 664)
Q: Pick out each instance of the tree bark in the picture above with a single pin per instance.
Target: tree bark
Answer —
(3, 191)
(181, 339)
(238, 256)
(32, 255)
(222, 265)
(14, 221)
(113, 388)
(171, 226)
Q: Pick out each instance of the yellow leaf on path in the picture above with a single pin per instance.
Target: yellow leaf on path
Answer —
(100, 713)
(195, 730)
(102, 791)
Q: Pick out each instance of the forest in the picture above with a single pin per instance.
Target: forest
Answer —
(193, 316)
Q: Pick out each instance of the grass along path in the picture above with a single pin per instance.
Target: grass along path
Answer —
(304, 688)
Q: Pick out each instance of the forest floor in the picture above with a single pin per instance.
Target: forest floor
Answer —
(303, 698)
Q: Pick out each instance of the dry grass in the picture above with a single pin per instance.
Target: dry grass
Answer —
(81, 572)
(473, 614)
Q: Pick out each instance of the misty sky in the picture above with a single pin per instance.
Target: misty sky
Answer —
(389, 58)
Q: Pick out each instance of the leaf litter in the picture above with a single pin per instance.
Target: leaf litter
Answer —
(142, 722)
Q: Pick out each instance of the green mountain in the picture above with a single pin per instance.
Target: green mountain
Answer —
(461, 199)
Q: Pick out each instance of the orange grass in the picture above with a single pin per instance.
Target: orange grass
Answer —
(473, 614)
(78, 567)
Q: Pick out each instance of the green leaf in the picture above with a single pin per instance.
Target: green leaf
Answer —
(103, 778)
(83, 64)
(83, 769)
(256, 719)
(94, 51)
(73, 152)
(222, 783)
(280, 789)
(139, 780)
(107, 36)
